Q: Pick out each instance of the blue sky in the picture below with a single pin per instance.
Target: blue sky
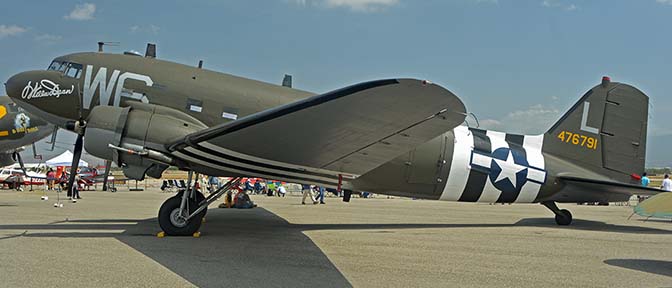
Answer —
(517, 64)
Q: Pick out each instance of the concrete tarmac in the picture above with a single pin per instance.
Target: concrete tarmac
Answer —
(108, 240)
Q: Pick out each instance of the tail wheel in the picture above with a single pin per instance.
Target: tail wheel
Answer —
(563, 218)
(174, 224)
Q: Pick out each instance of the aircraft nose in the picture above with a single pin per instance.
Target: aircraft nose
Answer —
(16, 84)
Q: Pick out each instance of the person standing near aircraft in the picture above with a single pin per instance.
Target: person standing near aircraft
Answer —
(51, 178)
(75, 189)
(307, 192)
(213, 182)
(62, 181)
(645, 180)
(667, 183)
(321, 194)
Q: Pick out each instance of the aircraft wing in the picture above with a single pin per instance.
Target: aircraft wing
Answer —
(350, 130)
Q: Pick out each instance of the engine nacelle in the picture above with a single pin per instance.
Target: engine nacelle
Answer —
(142, 130)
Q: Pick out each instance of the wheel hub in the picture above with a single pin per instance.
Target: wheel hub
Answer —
(177, 219)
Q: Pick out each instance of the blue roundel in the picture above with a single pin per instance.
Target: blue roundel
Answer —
(506, 184)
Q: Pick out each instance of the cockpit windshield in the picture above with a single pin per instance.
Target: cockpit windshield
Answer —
(70, 69)
(58, 66)
(13, 108)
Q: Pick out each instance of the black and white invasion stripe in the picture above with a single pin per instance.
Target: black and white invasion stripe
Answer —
(471, 183)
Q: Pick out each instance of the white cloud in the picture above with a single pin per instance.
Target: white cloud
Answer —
(153, 29)
(559, 4)
(10, 30)
(82, 12)
(354, 5)
(668, 2)
(490, 124)
(535, 119)
(48, 38)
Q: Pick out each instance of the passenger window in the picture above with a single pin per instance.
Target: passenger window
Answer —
(74, 70)
(194, 105)
(230, 113)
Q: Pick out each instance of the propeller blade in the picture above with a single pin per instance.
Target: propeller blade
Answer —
(17, 157)
(80, 104)
(77, 154)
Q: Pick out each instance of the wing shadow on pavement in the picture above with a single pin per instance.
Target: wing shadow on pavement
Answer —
(652, 266)
(238, 248)
(589, 225)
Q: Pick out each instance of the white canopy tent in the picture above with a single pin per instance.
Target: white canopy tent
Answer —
(65, 159)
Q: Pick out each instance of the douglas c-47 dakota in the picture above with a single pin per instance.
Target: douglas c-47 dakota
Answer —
(398, 137)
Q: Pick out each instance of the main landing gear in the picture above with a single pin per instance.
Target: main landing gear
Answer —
(182, 214)
(562, 217)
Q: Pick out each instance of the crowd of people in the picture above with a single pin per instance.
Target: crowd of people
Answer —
(314, 194)
(666, 185)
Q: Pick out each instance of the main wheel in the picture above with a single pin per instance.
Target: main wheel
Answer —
(564, 218)
(170, 221)
(199, 198)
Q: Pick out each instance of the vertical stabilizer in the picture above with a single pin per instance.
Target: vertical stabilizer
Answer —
(604, 130)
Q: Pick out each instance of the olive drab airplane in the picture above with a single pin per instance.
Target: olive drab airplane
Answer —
(18, 129)
(395, 136)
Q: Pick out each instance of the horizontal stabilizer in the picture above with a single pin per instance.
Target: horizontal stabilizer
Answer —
(605, 186)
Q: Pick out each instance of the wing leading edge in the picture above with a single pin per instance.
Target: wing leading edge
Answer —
(351, 130)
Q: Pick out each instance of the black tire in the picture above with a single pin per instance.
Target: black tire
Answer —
(564, 218)
(170, 226)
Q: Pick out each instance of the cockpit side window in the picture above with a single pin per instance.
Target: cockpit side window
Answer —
(63, 67)
(74, 70)
(12, 107)
(54, 65)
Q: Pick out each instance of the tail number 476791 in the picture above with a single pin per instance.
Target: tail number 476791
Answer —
(578, 139)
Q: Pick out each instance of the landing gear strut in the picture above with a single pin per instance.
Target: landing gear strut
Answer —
(562, 217)
(182, 214)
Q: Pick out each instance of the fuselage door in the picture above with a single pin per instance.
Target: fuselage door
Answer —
(426, 162)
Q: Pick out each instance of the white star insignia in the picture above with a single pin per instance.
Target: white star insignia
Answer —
(509, 169)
